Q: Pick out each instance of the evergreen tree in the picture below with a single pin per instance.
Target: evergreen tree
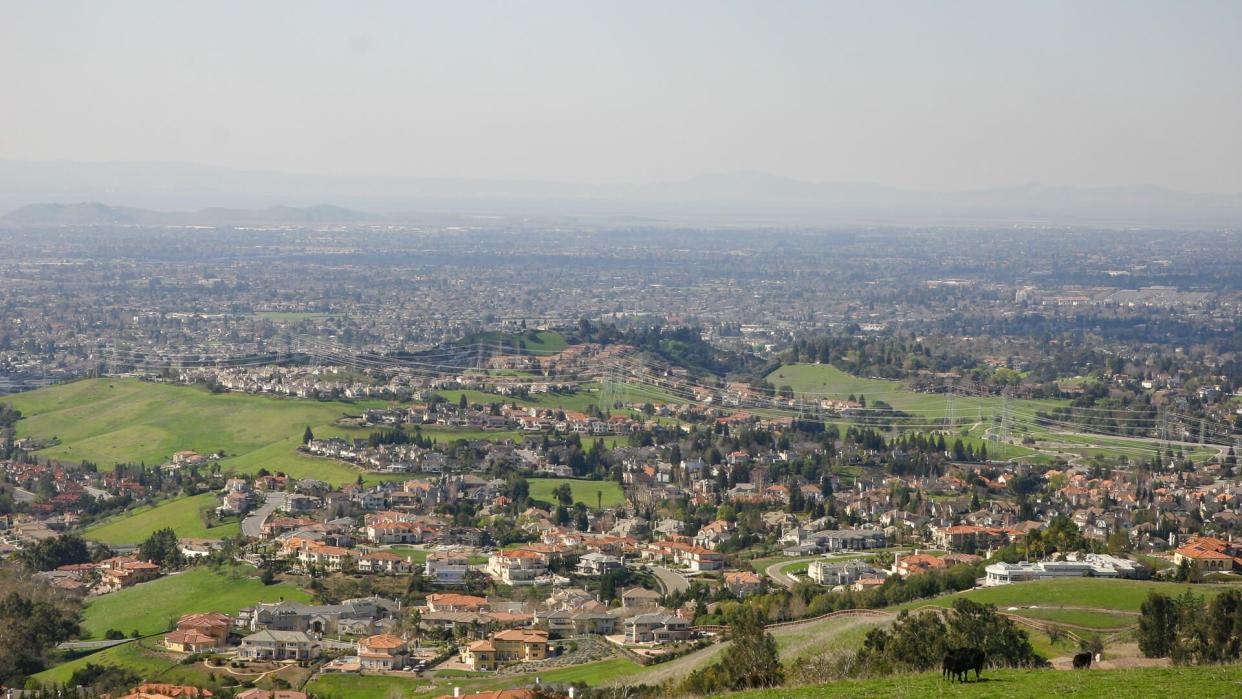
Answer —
(751, 660)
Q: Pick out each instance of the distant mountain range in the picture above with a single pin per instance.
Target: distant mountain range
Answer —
(95, 213)
(144, 193)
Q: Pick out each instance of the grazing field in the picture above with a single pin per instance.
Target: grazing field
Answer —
(149, 607)
(1207, 681)
(584, 491)
(181, 514)
(106, 421)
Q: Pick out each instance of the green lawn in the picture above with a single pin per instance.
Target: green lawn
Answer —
(584, 491)
(148, 607)
(1205, 681)
(1123, 595)
(337, 686)
(107, 421)
(181, 514)
(409, 553)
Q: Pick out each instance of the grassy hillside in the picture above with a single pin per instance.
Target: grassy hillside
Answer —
(827, 381)
(1098, 593)
(148, 607)
(351, 686)
(141, 657)
(973, 414)
(181, 514)
(584, 491)
(536, 341)
(1211, 681)
(107, 421)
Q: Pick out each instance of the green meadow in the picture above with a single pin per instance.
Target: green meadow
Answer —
(1206, 681)
(828, 382)
(109, 421)
(182, 515)
(584, 491)
(149, 607)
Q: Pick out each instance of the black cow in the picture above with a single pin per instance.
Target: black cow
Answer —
(958, 662)
(1082, 661)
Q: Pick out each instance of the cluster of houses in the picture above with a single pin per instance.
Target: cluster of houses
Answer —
(108, 575)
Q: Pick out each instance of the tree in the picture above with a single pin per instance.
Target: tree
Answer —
(1157, 627)
(564, 495)
(32, 624)
(161, 548)
(979, 626)
(55, 552)
(307, 436)
(752, 659)
(476, 582)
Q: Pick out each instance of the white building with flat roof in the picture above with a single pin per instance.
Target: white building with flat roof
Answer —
(1091, 565)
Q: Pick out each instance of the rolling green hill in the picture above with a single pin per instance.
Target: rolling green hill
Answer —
(148, 607)
(815, 381)
(1207, 681)
(181, 514)
(107, 421)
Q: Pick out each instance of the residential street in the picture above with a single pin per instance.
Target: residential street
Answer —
(252, 525)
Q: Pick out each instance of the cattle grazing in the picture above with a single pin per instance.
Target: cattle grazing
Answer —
(958, 662)
(1082, 661)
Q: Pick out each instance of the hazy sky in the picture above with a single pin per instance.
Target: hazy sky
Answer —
(932, 95)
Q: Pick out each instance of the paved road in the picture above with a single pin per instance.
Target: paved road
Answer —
(779, 577)
(670, 580)
(252, 525)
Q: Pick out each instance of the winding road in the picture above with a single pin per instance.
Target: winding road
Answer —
(670, 580)
(252, 525)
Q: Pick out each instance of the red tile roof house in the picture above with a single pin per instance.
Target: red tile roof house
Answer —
(1207, 554)
(453, 602)
(743, 582)
(123, 571)
(382, 652)
(196, 633)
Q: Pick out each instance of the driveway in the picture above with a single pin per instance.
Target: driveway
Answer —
(252, 525)
(670, 580)
(778, 576)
